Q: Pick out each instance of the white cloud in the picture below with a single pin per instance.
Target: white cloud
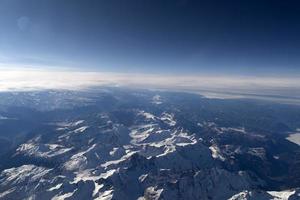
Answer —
(33, 79)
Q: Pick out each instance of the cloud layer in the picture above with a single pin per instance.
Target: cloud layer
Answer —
(34, 79)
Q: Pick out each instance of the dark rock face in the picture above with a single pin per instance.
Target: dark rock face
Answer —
(114, 143)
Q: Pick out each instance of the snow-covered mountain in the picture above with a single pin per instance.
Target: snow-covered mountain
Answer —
(124, 144)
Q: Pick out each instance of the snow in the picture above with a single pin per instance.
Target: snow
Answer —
(42, 150)
(259, 152)
(113, 151)
(97, 188)
(216, 153)
(209, 124)
(168, 119)
(55, 187)
(232, 129)
(87, 174)
(151, 193)
(77, 123)
(78, 160)
(200, 124)
(6, 118)
(184, 139)
(156, 99)
(69, 124)
(240, 196)
(147, 115)
(84, 175)
(108, 173)
(63, 196)
(294, 137)
(177, 138)
(276, 157)
(81, 129)
(143, 177)
(221, 130)
(3, 118)
(270, 195)
(140, 133)
(281, 195)
(115, 162)
(156, 141)
(3, 194)
(106, 195)
(19, 174)
(164, 140)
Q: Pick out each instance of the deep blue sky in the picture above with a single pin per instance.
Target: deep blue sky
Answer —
(148, 36)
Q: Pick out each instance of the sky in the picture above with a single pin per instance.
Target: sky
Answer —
(256, 37)
(233, 46)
